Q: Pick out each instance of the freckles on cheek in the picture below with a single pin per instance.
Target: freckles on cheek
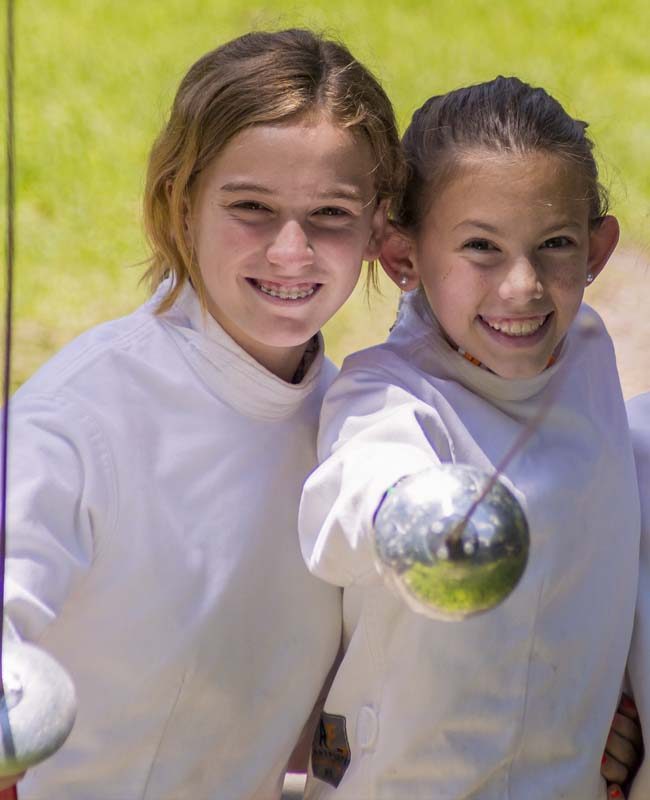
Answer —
(566, 278)
(231, 235)
(235, 246)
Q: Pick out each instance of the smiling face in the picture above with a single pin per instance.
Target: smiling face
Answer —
(281, 221)
(503, 255)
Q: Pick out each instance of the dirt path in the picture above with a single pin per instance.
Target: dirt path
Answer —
(621, 295)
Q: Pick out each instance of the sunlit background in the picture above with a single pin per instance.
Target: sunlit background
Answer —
(95, 80)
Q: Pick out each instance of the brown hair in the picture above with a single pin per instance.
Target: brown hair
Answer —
(260, 78)
(502, 115)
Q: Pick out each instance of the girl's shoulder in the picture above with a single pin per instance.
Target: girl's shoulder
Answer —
(406, 353)
(588, 333)
(93, 350)
(638, 411)
(588, 351)
(377, 369)
(589, 322)
(380, 358)
(377, 383)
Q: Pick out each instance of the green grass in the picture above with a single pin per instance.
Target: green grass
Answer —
(461, 589)
(95, 79)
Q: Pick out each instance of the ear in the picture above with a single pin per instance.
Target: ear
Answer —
(396, 258)
(377, 231)
(603, 238)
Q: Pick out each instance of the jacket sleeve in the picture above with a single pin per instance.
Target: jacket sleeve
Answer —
(639, 659)
(371, 435)
(60, 484)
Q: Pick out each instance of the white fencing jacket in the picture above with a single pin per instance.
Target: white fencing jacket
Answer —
(155, 478)
(515, 704)
(639, 666)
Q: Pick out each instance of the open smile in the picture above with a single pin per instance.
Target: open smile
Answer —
(518, 331)
(285, 293)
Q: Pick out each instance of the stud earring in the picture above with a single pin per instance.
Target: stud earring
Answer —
(403, 280)
(590, 278)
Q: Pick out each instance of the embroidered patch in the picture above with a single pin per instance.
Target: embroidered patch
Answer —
(330, 751)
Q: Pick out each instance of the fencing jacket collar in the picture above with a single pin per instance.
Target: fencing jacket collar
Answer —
(415, 315)
(227, 369)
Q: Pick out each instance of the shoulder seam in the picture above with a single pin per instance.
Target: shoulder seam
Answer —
(88, 356)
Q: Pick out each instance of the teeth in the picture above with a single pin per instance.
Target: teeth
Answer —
(286, 294)
(516, 327)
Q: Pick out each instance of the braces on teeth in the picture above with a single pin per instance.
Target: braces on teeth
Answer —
(283, 294)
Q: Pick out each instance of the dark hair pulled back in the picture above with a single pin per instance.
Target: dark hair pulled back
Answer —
(504, 115)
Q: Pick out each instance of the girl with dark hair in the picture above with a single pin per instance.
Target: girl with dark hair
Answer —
(502, 225)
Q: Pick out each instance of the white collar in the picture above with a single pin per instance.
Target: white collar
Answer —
(415, 314)
(226, 368)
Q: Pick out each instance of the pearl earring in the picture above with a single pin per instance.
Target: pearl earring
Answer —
(403, 280)
(590, 278)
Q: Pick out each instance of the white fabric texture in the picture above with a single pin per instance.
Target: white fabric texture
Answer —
(155, 478)
(639, 665)
(516, 703)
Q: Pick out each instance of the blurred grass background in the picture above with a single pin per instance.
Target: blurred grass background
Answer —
(95, 80)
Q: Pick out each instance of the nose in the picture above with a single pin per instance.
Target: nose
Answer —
(521, 282)
(290, 246)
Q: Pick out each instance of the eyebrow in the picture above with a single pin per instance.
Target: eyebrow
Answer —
(338, 193)
(563, 223)
(476, 223)
(485, 226)
(243, 186)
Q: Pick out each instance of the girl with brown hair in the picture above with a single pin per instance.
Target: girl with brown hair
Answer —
(157, 461)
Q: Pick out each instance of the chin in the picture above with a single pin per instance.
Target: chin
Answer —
(289, 335)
